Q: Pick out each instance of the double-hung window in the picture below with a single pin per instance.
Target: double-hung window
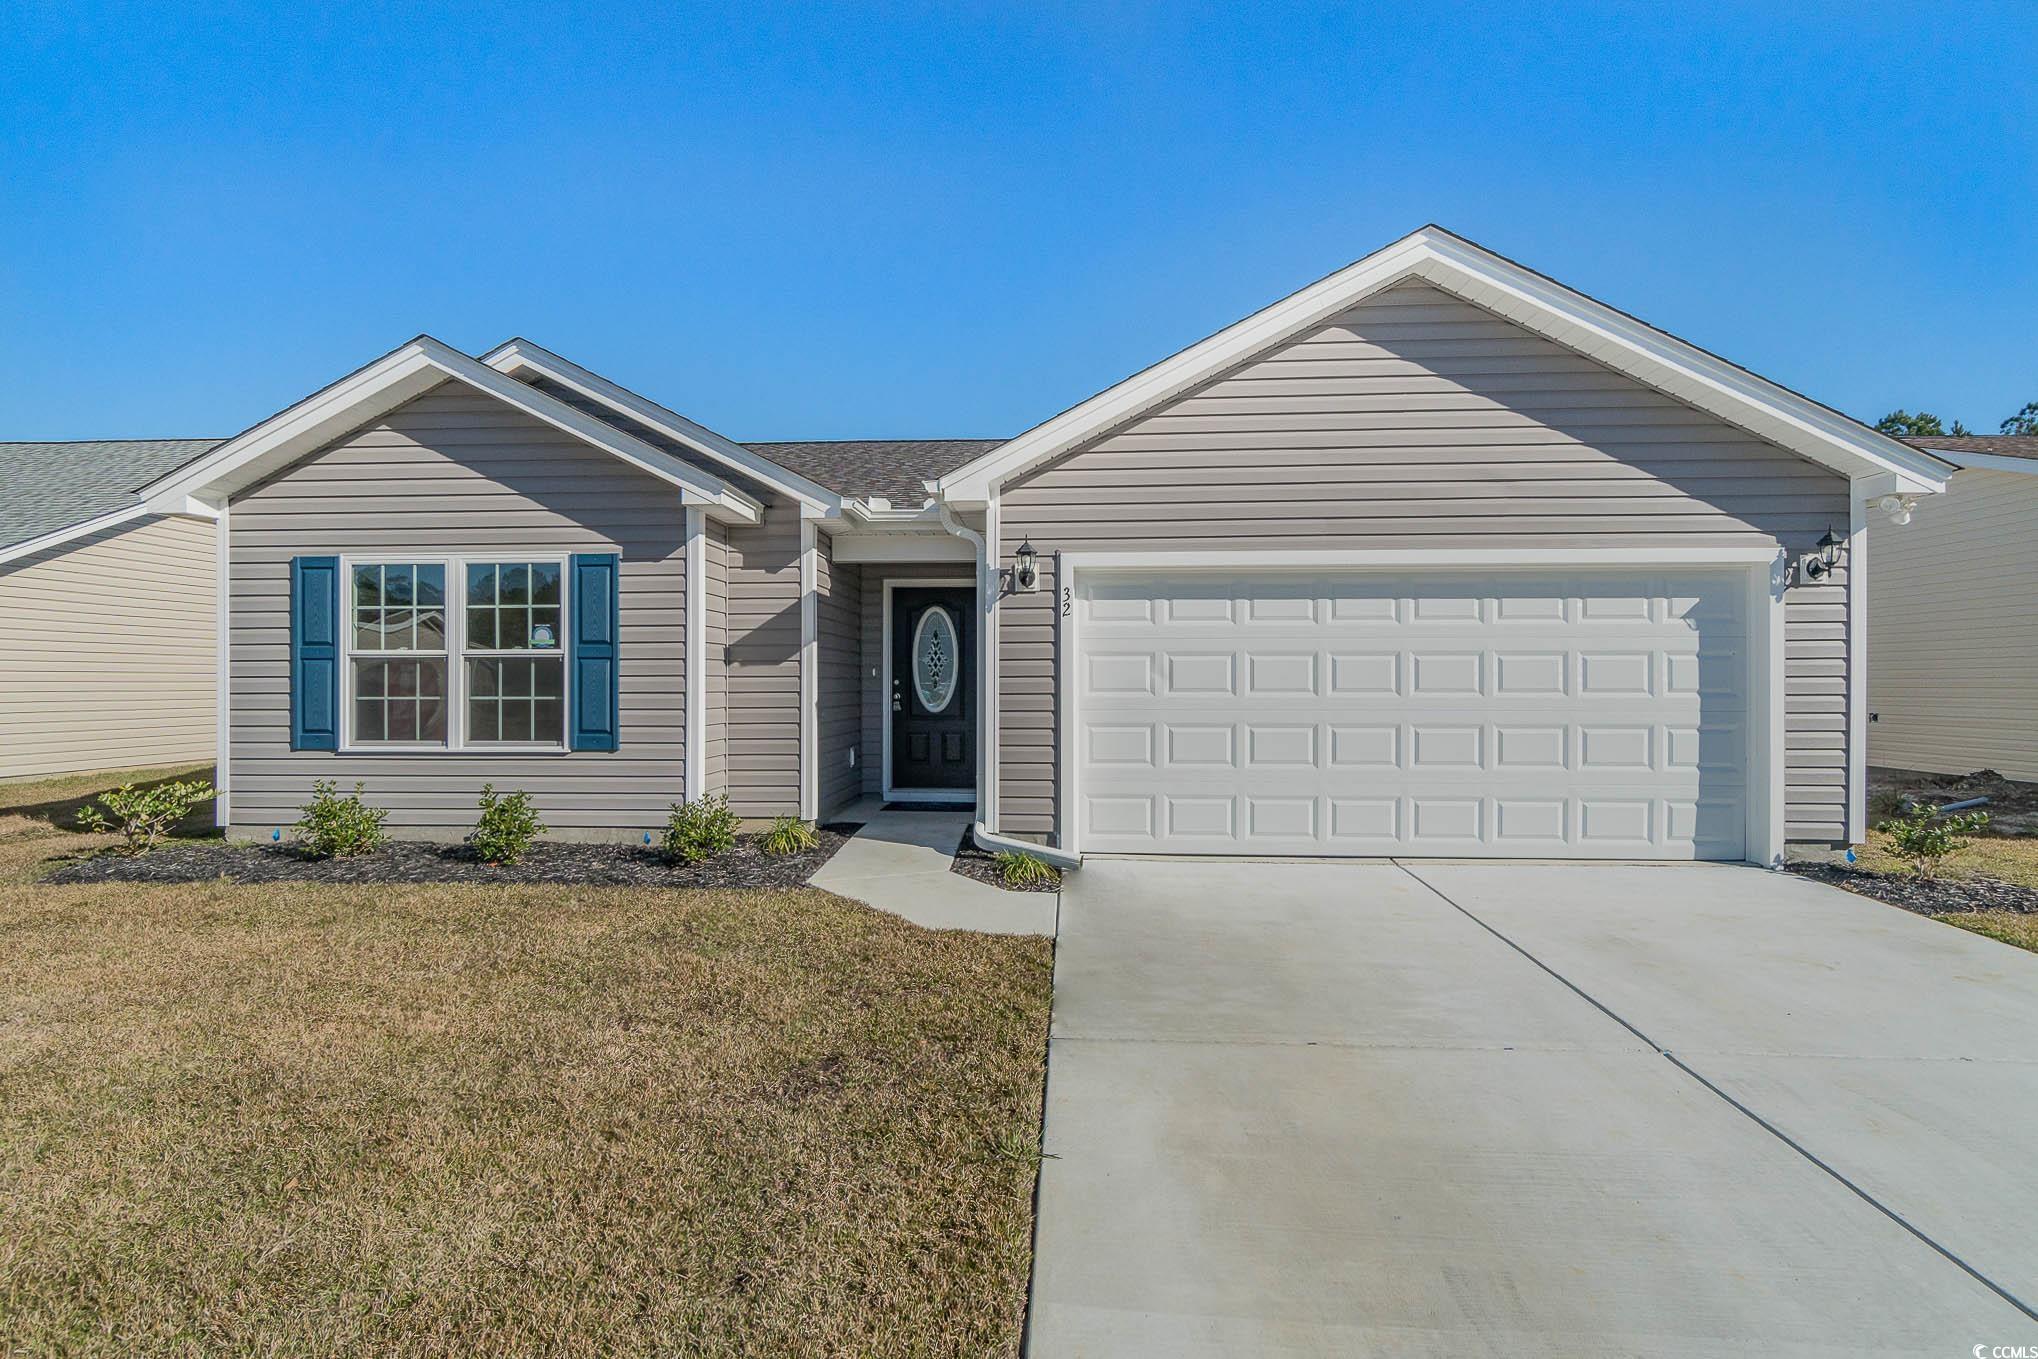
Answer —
(479, 666)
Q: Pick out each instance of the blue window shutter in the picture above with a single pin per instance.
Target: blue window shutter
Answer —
(596, 721)
(314, 653)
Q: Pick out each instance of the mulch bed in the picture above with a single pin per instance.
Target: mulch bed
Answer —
(564, 863)
(974, 862)
(1925, 896)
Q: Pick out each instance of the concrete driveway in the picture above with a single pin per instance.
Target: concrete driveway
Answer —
(1450, 1109)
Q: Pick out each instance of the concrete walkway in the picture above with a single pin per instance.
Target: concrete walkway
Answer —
(1329, 1109)
(899, 862)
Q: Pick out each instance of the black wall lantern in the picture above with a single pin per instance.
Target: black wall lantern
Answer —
(1026, 572)
(1820, 563)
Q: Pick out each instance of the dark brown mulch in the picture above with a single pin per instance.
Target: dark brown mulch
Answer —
(1925, 896)
(982, 865)
(582, 865)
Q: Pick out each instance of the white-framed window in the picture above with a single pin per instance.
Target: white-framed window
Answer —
(455, 653)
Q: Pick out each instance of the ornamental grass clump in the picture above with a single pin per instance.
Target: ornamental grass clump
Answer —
(143, 816)
(509, 826)
(789, 835)
(699, 830)
(1025, 870)
(335, 827)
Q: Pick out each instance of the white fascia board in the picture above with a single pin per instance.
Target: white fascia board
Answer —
(397, 377)
(1988, 462)
(72, 532)
(1570, 318)
(519, 356)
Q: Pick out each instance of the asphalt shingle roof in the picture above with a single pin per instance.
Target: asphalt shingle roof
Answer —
(892, 468)
(49, 486)
(2002, 445)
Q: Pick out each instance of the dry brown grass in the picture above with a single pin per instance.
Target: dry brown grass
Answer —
(2008, 926)
(462, 1120)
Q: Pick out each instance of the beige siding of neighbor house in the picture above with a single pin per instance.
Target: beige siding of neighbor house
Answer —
(714, 665)
(456, 471)
(876, 712)
(839, 655)
(763, 655)
(110, 650)
(1953, 630)
(1417, 419)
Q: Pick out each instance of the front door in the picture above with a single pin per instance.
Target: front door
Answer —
(933, 690)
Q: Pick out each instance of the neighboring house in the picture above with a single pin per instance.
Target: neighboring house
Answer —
(1953, 622)
(1435, 556)
(110, 646)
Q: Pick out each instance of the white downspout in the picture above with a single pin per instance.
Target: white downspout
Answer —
(987, 714)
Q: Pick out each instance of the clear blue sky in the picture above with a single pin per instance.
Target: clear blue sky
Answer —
(845, 222)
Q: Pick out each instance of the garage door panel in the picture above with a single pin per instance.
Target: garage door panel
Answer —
(1442, 715)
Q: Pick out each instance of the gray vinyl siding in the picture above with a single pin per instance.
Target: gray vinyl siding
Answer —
(839, 654)
(1417, 419)
(764, 665)
(715, 637)
(1953, 629)
(111, 651)
(456, 471)
(875, 711)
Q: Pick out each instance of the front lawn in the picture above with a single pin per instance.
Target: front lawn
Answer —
(336, 1120)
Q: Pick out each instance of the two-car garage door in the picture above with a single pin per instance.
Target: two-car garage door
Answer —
(1598, 714)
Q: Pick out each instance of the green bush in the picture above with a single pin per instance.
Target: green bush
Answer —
(699, 830)
(509, 826)
(789, 835)
(143, 816)
(333, 827)
(1925, 837)
(1025, 870)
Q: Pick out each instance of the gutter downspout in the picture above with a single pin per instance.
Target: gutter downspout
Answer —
(985, 838)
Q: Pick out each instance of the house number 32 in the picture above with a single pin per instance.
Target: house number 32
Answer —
(1067, 601)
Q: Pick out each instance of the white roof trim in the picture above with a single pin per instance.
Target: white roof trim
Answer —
(397, 377)
(1988, 462)
(28, 547)
(520, 355)
(1527, 298)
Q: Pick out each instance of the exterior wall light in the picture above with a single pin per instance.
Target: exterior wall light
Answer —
(1819, 564)
(1026, 571)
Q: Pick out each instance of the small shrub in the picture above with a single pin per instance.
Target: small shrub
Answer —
(699, 830)
(789, 835)
(1925, 837)
(509, 826)
(334, 827)
(144, 816)
(1024, 870)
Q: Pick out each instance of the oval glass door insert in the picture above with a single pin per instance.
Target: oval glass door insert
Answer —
(934, 667)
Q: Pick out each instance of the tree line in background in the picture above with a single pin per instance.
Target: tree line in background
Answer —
(1924, 424)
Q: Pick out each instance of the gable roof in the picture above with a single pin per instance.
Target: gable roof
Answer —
(528, 362)
(1996, 452)
(51, 492)
(895, 469)
(1531, 300)
(374, 390)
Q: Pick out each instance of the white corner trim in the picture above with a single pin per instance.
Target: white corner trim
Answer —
(84, 528)
(810, 724)
(222, 774)
(696, 654)
(398, 376)
(988, 598)
(1857, 671)
(1651, 356)
(518, 356)
(1767, 748)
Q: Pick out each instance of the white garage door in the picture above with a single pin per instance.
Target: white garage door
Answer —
(1583, 715)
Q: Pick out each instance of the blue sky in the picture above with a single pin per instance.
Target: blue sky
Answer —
(901, 221)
